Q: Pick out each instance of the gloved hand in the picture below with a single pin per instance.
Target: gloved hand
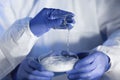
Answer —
(51, 18)
(91, 67)
(30, 69)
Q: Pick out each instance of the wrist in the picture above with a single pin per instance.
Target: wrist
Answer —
(107, 51)
(38, 28)
(33, 28)
(109, 64)
(107, 60)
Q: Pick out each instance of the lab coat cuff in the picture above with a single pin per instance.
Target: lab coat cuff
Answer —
(31, 39)
(29, 32)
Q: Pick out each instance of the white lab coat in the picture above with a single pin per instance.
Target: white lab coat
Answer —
(97, 26)
(16, 41)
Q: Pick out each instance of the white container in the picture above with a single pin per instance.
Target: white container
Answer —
(58, 63)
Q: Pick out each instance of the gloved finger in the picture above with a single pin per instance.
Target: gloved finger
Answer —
(34, 77)
(43, 73)
(55, 23)
(87, 76)
(36, 65)
(84, 69)
(57, 13)
(59, 24)
(85, 61)
(87, 68)
(69, 26)
(64, 26)
(74, 71)
(24, 74)
(26, 66)
(70, 20)
(75, 76)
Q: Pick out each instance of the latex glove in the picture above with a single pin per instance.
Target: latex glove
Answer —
(51, 18)
(91, 67)
(30, 69)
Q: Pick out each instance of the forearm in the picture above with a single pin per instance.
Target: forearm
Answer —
(111, 47)
(16, 43)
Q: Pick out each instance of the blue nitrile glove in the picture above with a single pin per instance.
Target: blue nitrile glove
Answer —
(30, 69)
(51, 18)
(91, 67)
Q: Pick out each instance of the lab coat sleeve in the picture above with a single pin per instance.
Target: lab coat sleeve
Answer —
(15, 44)
(109, 21)
(111, 47)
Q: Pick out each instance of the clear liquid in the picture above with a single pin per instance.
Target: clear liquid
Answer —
(68, 40)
